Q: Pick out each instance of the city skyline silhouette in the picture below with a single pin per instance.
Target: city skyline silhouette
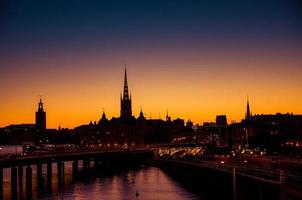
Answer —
(196, 59)
(126, 111)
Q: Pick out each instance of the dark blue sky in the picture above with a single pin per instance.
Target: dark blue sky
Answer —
(44, 25)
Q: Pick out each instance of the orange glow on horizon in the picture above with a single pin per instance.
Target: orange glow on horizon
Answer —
(189, 87)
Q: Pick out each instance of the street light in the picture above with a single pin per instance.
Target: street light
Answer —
(246, 137)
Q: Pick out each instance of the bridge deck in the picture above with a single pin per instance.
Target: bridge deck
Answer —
(61, 156)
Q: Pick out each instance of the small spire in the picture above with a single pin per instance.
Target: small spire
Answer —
(168, 118)
(40, 105)
(141, 115)
(248, 112)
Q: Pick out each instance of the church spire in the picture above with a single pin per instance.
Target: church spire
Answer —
(125, 93)
(104, 115)
(248, 112)
(168, 118)
(125, 78)
(126, 111)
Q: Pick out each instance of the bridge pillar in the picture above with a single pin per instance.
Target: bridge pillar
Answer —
(88, 164)
(20, 178)
(60, 169)
(28, 181)
(14, 182)
(75, 167)
(282, 186)
(96, 162)
(1, 182)
(49, 175)
(234, 184)
(85, 164)
(39, 176)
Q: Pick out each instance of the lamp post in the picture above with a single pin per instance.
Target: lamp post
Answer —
(246, 137)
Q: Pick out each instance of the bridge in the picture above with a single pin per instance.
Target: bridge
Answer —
(107, 157)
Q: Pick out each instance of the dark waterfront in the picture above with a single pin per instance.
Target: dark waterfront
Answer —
(150, 100)
(150, 182)
(165, 173)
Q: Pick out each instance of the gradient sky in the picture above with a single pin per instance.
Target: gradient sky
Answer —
(196, 58)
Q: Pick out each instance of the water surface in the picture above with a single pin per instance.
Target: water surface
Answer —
(149, 183)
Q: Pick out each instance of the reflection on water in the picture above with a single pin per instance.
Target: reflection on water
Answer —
(10, 149)
(146, 183)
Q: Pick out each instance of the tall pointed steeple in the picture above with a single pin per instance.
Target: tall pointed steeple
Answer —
(248, 112)
(125, 92)
(126, 111)
(168, 118)
(125, 78)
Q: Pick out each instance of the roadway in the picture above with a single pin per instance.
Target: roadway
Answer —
(69, 155)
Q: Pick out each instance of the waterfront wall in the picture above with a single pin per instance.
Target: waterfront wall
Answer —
(219, 184)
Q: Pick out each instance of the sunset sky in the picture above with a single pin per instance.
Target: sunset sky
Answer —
(194, 58)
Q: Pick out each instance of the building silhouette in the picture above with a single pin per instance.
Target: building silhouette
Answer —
(248, 114)
(221, 121)
(275, 132)
(103, 120)
(128, 129)
(168, 118)
(40, 117)
(141, 116)
(126, 109)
